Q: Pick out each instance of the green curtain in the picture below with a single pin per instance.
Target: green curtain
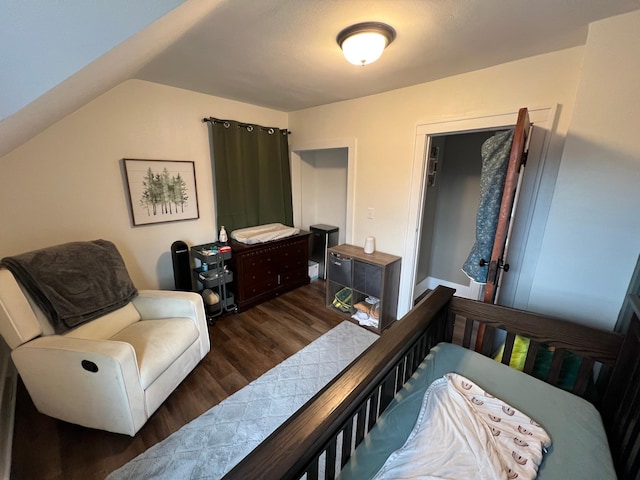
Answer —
(252, 176)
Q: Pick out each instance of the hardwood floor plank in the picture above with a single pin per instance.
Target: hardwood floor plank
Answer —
(243, 347)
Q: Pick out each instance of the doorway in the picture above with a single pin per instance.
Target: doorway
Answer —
(528, 226)
(448, 224)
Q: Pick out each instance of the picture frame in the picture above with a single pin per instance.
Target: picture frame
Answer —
(161, 191)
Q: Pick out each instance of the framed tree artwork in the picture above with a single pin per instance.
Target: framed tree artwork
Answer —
(161, 190)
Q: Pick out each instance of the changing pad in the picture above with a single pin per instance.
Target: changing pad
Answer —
(263, 233)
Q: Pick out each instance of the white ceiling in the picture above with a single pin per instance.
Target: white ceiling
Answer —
(282, 54)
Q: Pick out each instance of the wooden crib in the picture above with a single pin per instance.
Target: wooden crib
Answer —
(321, 437)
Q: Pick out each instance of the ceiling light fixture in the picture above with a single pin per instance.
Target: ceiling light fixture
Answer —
(364, 43)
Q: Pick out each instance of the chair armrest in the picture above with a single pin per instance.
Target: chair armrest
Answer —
(59, 375)
(158, 304)
(168, 304)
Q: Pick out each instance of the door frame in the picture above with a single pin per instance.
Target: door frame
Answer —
(533, 208)
(295, 155)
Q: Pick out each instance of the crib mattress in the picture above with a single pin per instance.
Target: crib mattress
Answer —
(579, 450)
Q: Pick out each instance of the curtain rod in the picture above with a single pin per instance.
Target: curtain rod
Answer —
(248, 126)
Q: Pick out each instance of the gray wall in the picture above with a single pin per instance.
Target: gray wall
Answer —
(429, 215)
(458, 198)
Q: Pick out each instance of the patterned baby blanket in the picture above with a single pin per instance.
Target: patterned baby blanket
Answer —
(463, 431)
(495, 160)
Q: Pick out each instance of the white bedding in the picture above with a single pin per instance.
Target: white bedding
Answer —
(464, 432)
(263, 233)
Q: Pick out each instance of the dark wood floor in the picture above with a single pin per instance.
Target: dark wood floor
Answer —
(243, 347)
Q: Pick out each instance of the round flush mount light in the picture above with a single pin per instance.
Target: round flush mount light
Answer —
(364, 43)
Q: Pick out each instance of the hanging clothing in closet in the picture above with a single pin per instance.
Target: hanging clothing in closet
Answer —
(495, 159)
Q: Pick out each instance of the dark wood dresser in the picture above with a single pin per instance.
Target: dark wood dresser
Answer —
(265, 270)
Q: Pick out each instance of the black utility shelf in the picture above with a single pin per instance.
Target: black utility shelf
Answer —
(211, 273)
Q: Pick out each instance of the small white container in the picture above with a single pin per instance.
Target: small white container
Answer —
(313, 270)
(370, 245)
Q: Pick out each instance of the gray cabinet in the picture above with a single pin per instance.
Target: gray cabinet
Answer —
(361, 284)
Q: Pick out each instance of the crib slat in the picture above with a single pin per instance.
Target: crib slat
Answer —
(409, 357)
(415, 358)
(629, 415)
(556, 366)
(312, 470)
(451, 323)
(438, 329)
(630, 395)
(629, 441)
(532, 352)
(487, 341)
(584, 374)
(468, 330)
(634, 463)
(632, 430)
(330, 460)
(347, 438)
(362, 415)
(388, 389)
(508, 348)
(400, 377)
(426, 342)
(373, 409)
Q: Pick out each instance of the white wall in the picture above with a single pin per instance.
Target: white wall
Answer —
(593, 233)
(384, 126)
(66, 183)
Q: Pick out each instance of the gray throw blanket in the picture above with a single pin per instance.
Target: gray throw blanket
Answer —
(74, 282)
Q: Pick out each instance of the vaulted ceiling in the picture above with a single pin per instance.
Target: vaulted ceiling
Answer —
(283, 54)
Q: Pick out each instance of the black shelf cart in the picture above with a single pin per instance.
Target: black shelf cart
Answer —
(211, 273)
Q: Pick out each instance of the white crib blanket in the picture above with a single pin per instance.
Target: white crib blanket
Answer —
(464, 432)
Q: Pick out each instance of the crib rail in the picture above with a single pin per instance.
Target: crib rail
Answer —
(621, 406)
(591, 348)
(617, 391)
(321, 437)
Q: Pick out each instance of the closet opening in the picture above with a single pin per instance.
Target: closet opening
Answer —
(448, 224)
(324, 188)
(322, 185)
(444, 199)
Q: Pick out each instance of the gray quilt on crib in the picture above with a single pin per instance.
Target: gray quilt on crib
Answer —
(495, 159)
(74, 282)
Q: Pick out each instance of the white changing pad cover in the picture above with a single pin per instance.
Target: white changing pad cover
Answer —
(263, 233)
(464, 432)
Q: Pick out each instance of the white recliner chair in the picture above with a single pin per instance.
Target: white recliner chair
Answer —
(110, 373)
